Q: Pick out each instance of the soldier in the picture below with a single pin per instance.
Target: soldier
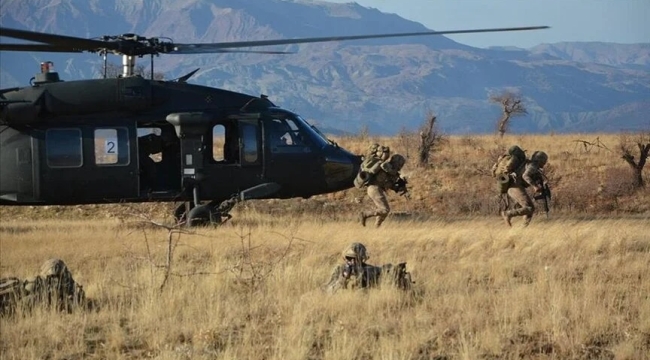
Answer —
(385, 177)
(355, 273)
(53, 287)
(529, 174)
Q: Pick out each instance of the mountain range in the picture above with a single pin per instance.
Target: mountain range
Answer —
(381, 85)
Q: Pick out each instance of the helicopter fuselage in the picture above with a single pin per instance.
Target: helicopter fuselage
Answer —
(136, 140)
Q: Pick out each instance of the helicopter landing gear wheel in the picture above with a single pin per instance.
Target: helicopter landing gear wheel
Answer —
(199, 216)
(180, 214)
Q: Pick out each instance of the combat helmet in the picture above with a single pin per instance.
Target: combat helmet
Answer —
(517, 152)
(356, 250)
(378, 151)
(539, 157)
(372, 149)
(54, 271)
(54, 267)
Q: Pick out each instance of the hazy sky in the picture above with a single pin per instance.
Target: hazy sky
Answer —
(620, 21)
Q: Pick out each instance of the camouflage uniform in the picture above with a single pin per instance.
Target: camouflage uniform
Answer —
(356, 274)
(377, 186)
(54, 286)
(532, 176)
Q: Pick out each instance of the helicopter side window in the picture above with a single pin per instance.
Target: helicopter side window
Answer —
(63, 148)
(225, 143)
(112, 146)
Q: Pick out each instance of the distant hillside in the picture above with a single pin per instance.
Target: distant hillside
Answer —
(382, 84)
(621, 55)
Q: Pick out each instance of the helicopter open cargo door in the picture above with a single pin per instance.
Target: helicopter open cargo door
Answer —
(220, 156)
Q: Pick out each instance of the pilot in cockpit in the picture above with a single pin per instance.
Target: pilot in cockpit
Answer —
(280, 133)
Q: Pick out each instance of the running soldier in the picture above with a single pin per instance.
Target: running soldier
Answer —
(380, 172)
(514, 174)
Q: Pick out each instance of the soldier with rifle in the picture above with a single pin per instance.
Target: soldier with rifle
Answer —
(378, 173)
(518, 176)
(54, 287)
(355, 273)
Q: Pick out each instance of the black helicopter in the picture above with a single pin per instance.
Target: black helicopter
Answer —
(132, 139)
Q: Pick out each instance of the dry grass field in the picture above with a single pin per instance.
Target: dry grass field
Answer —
(251, 290)
(574, 286)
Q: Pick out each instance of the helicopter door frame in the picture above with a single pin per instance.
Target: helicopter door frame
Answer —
(251, 149)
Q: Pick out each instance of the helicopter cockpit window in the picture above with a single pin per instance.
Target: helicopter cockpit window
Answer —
(112, 146)
(285, 136)
(63, 148)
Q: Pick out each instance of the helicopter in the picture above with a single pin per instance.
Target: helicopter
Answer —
(131, 139)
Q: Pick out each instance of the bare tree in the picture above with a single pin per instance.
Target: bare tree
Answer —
(406, 140)
(643, 144)
(511, 105)
(430, 138)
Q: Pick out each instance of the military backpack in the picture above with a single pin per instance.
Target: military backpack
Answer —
(508, 166)
(397, 276)
(371, 164)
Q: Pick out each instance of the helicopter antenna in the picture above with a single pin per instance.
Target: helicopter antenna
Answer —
(184, 78)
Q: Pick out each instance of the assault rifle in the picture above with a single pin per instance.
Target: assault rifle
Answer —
(349, 270)
(545, 195)
(400, 188)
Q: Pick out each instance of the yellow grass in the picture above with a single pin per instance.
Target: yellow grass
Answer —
(573, 286)
(557, 289)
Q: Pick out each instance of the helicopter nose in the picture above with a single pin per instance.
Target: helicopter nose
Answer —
(340, 168)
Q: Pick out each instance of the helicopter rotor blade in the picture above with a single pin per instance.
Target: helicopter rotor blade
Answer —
(229, 51)
(37, 47)
(73, 43)
(133, 45)
(217, 47)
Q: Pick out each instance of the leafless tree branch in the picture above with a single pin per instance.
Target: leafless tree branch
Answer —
(511, 105)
